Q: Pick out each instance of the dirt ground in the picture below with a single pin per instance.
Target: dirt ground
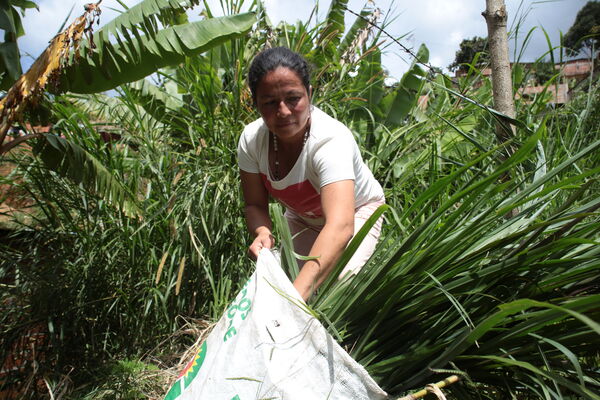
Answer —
(13, 201)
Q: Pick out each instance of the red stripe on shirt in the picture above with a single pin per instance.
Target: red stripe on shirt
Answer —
(301, 197)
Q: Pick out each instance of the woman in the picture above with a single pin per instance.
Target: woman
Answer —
(309, 162)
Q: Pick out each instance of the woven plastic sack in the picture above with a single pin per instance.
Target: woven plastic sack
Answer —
(267, 346)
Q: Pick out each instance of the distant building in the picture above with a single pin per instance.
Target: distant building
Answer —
(560, 94)
(576, 69)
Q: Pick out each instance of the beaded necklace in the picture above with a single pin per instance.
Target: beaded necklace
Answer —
(276, 171)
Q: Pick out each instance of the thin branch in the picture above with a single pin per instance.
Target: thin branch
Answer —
(5, 148)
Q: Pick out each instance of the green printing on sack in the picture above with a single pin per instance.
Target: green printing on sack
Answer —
(242, 304)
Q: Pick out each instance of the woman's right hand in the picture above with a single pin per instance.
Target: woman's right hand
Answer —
(263, 240)
(258, 221)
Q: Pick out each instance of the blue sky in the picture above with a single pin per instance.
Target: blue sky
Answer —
(440, 24)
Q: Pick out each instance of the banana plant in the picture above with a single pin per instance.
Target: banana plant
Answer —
(10, 22)
(396, 106)
(140, 55)
(98, 64)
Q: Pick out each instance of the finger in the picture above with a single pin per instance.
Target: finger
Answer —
(268, 242)
(258, 246)
(252, 253)
(254, 249)
(261, 243)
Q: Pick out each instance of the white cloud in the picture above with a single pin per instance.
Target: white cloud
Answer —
(443, 24)
(293, 10)
(456, 37)
(436, 60)
(440, 24)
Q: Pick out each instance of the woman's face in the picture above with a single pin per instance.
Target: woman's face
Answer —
(283, 103)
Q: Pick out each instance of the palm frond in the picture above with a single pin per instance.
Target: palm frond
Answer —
(72, 161)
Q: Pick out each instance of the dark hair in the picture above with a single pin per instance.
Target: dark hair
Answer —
(270, 59)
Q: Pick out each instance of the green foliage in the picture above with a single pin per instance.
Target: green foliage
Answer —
(334, 28)
(454, 287)
(430, 284)
(10, 23)
(472, 51)
(358, 26)
(92, 272)
(145, 17)
(404, 97)
(70, 160)
(585, 31)
(370, 79)
(111, 65)
(125, 380)
(543, 71)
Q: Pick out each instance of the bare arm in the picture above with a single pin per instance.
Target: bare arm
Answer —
(337, 201)
(257, 212)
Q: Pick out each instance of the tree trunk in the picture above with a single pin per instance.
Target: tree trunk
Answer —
(496, 17)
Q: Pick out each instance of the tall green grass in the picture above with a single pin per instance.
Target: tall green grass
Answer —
(455, 287)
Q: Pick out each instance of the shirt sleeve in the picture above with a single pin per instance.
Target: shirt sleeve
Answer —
(333, 160)
(247, 153)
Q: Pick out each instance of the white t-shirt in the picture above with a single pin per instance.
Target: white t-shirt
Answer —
(329, 155)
